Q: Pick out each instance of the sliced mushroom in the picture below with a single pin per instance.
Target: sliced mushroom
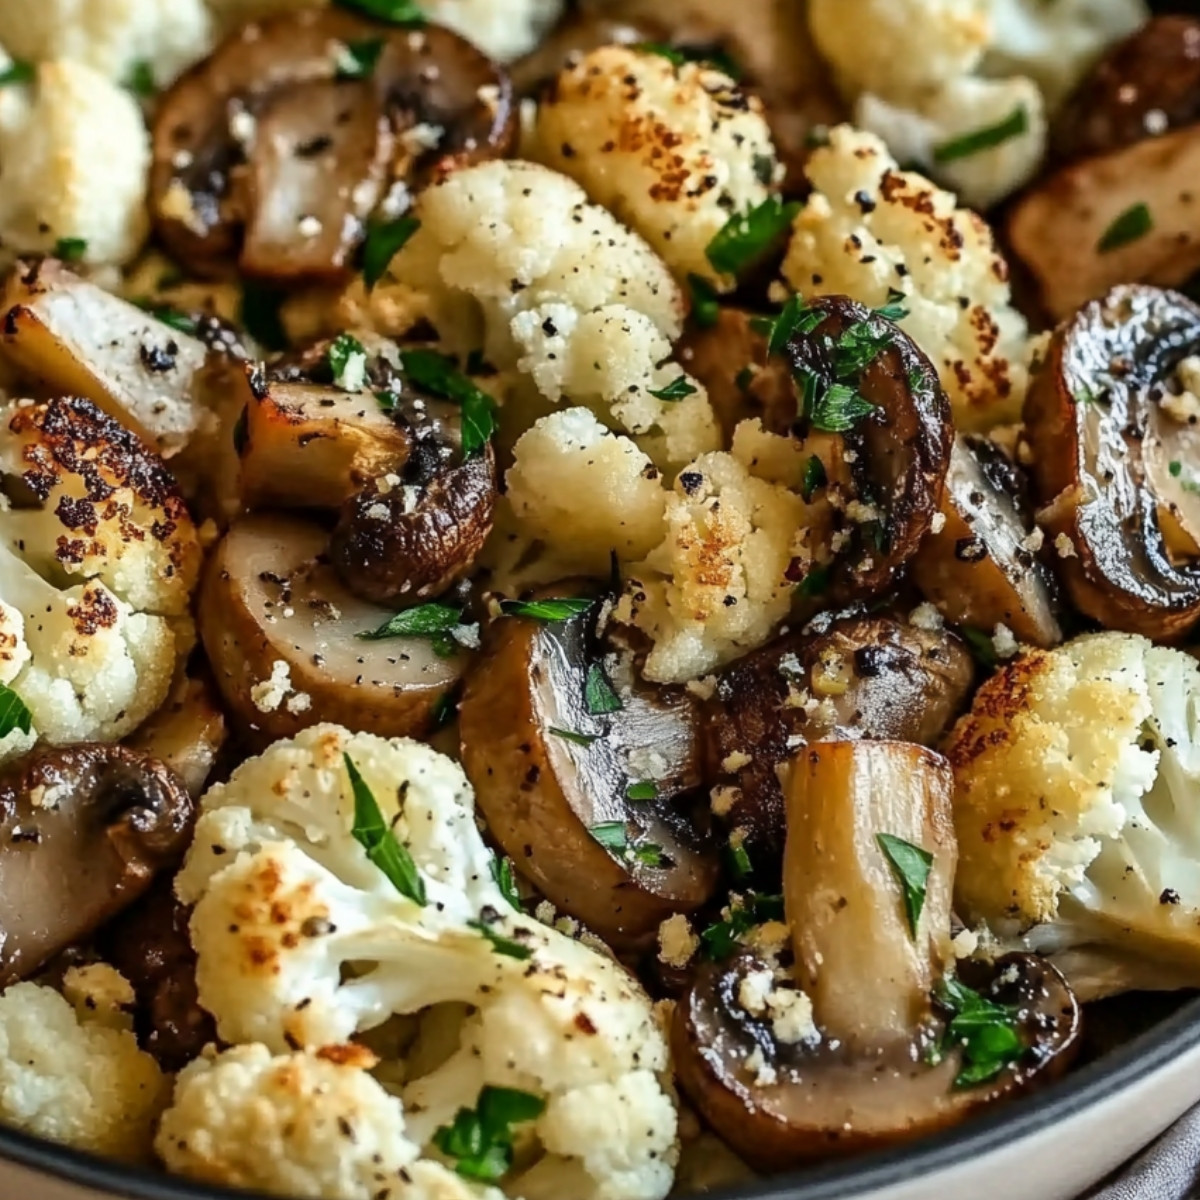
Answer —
(893, 458)
(282, 634)
(83, 831)
(861, 1076)
(151, 947)
(1124, 208)
(554, 781)
(186, 734)
(579, 33)
(980, 567)
(853, 677)
(1115, 460)
(309, 445)
(271, 154)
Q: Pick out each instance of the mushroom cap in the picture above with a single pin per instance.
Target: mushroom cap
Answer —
(1100, 434)
(83, 831)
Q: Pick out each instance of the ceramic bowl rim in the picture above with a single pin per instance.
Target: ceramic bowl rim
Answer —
(854, 1178)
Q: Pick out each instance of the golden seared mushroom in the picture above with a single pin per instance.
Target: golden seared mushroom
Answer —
(310, 445)
(75, 339)
(872, 402)
(1123, 207)
(865, 1040)
(272, 154)
(187, 734)
(1116, 459)
(286, 643)
(848, 677)
(979, 565)
(83, 831)
(588, 780)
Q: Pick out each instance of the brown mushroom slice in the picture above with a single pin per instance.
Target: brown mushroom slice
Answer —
(860, 1076)
(855, 677)
(83, 831)
(282, 636)
(1098, 420)
(593, 809)
(980, 568)
(577, 35)
(76, 339)
(896, 452)
(312, 446)
(186, 734)
(1143, 86)
(1126, 216)
(271, 153)
(402, 539)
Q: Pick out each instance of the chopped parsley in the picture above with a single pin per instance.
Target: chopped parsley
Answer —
(438, 622)
(14, 713)
(260, 315)
(911, 866)
(358, 59)
(445, 710)
(814, 477)
(981, 645)
(706, 307)
(857, 348)
(598, 695)
(677, 389)
(1176, 469)
(546, 610)
(383, 848)
(578, 739)
(384, 240)
(720, 940)
(645, 790)
(480, 1139)
(168, 315)
(437, 374)
(70, 249)
(501, 944)
(502, 873)
(614, 837)
(795, 317)
(837, 408)
(1015, 125)
(348, 362)
(673, 55)
(893, 309)
(815, 583)
(387, 400)
(18, 71)
(395, 12)
(739, 860)
(985, 1031)
(1134, 223)
(679, 56)
(747, 237)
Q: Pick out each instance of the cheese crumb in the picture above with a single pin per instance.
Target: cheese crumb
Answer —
(735, 761)
(926, 617)
(965, 943)
(1004, 643)
(703, 688)
(1065, 547)
(268, 695)
(765, 1075)
(791, 1017)
(300, 702)
(677, 944)
(722, 800)
(938, 523)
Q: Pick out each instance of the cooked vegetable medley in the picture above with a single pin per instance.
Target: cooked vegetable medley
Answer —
(566, 631)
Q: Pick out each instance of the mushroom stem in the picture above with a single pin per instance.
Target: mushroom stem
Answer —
(868, 973)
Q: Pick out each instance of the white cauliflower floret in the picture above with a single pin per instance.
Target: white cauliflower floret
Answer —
(14, 655)
(505, 29)
(73, 1079)
(1055, 44)
(586, 492)
(870, 230)
(110, 36)
(513, 258)
(934, 131)
(672, 150)
(897, 47)
(97, 565)
(1077, 802)
(311, 1125)
(717, 586)
(76, 154)
(303, 942)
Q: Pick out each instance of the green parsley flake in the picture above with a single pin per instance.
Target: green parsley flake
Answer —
(645, 790)
(14, 713)
(598, 695)
(1015, 125)
(384, 240)
(893, 309)
(480, 1140)
(438, 622)
(383, 848)
(140, 80)
(739, 860)
(706, 307)
(437, 374)
(395, 12)
(260, 315)
(815, 583)
(577, 739)
(794, 318)
(358, 59)
(501, 944)
(677, 389)
(911, 866)
(721, 939)
(1134, 223)
(70, 249)
(814, 478)
(502, 873)
(838, 409)
(982, 647)
(546, 610)
(614, 837)
(986, 1033)
(348, 362)
(746, 238)
(18, 71)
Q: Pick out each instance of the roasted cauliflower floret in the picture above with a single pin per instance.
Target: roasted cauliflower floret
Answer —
(76, 154)
(114, 37)
(586, 492)
(71, 1077)
(505, 29)
(306, 1124)
(98, 558)
(870, 230)
(303, 941)
(1077, 803)
(717, 586)
(672, 150)
(513, 258)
